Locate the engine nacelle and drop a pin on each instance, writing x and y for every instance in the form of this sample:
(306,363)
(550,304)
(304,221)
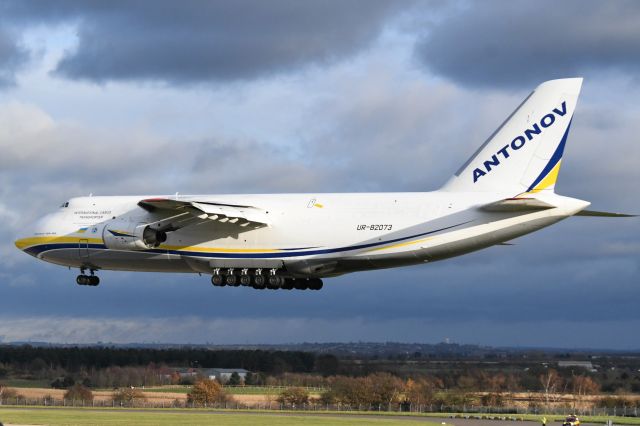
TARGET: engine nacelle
(124,235)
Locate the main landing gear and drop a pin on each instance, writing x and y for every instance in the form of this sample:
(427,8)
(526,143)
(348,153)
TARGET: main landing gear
(90,280)
(257,279)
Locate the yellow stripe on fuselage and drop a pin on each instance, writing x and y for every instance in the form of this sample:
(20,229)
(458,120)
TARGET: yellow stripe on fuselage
(23,243)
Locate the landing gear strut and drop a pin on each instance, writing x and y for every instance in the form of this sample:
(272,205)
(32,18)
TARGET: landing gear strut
(90,280)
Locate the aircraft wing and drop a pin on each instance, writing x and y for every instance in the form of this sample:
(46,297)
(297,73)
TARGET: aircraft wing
(183,213)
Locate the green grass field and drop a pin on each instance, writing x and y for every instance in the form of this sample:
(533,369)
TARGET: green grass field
(88,416)
(62,416)
(26,383)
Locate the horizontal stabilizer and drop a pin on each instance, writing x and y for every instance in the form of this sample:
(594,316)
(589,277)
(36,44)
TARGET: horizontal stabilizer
(517,205)
(603,214)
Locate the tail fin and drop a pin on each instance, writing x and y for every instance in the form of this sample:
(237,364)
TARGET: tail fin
(525,153)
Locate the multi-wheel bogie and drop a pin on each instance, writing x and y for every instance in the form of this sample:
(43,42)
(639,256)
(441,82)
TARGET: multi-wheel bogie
(261,279)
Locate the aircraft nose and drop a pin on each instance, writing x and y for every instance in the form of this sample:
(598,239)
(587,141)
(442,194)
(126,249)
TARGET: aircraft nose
(22,243)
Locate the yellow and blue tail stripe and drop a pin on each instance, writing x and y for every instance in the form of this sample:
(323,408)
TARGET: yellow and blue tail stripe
(549,174)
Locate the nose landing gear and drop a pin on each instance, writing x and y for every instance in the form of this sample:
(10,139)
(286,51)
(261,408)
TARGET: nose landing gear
(90,280)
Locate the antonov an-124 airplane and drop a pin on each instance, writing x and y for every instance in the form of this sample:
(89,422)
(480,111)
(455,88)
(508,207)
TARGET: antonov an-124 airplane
(285,241)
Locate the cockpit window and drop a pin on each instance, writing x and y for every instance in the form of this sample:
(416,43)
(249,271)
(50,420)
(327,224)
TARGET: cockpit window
(64,205)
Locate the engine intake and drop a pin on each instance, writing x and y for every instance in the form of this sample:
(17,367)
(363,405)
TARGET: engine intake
(122,235)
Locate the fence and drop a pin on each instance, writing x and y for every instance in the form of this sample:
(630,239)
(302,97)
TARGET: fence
(246,388)
(469,410)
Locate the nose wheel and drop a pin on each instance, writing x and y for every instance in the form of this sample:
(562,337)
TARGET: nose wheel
(90,280)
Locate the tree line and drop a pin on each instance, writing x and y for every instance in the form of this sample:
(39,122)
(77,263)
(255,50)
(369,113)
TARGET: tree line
(72,359)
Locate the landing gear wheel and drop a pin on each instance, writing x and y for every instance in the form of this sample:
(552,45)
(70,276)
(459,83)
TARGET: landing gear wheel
(274,282)
(245,280)
(91,280)
(259,282)
(315,284)
(301,284)
(232,280)
(217,280)
(288,284)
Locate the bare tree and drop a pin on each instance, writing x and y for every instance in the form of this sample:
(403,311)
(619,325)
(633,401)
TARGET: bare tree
(551,382)
(421,391)
(582,386)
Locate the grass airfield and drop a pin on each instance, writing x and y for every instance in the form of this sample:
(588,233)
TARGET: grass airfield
(18,415)
(79,416)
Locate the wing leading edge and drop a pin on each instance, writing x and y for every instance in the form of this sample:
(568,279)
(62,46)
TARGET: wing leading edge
(196,211)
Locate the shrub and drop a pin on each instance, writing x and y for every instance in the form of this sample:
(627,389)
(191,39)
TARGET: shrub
(79,392)
(493,399)
(8,394)
(294,396)
(616,402)
(328,397)
(207,391)
(128,396)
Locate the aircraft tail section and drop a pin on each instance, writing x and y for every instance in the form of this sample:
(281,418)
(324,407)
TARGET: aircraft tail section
(524,154)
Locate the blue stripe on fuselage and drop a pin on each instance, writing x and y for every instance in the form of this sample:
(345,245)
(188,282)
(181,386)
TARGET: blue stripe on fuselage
(35,250)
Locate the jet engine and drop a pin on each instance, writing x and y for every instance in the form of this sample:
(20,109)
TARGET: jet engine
(124,235)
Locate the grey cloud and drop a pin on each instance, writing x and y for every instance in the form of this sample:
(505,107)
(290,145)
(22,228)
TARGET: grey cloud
(12,58)
(379,129)
(515,43)
(405,136)
(195,41)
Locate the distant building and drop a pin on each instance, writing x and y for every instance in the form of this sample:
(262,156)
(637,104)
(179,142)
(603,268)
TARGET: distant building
(224,374)
(187,372)
(587,365)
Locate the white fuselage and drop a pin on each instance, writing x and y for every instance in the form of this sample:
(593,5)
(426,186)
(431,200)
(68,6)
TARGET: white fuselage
(308,235)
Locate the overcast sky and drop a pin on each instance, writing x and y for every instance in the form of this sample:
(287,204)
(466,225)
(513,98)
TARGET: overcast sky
(139,97)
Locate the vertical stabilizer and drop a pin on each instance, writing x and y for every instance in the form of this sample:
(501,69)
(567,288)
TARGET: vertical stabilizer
(525,153)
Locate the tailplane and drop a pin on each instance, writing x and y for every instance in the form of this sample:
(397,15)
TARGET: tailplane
(524,154)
